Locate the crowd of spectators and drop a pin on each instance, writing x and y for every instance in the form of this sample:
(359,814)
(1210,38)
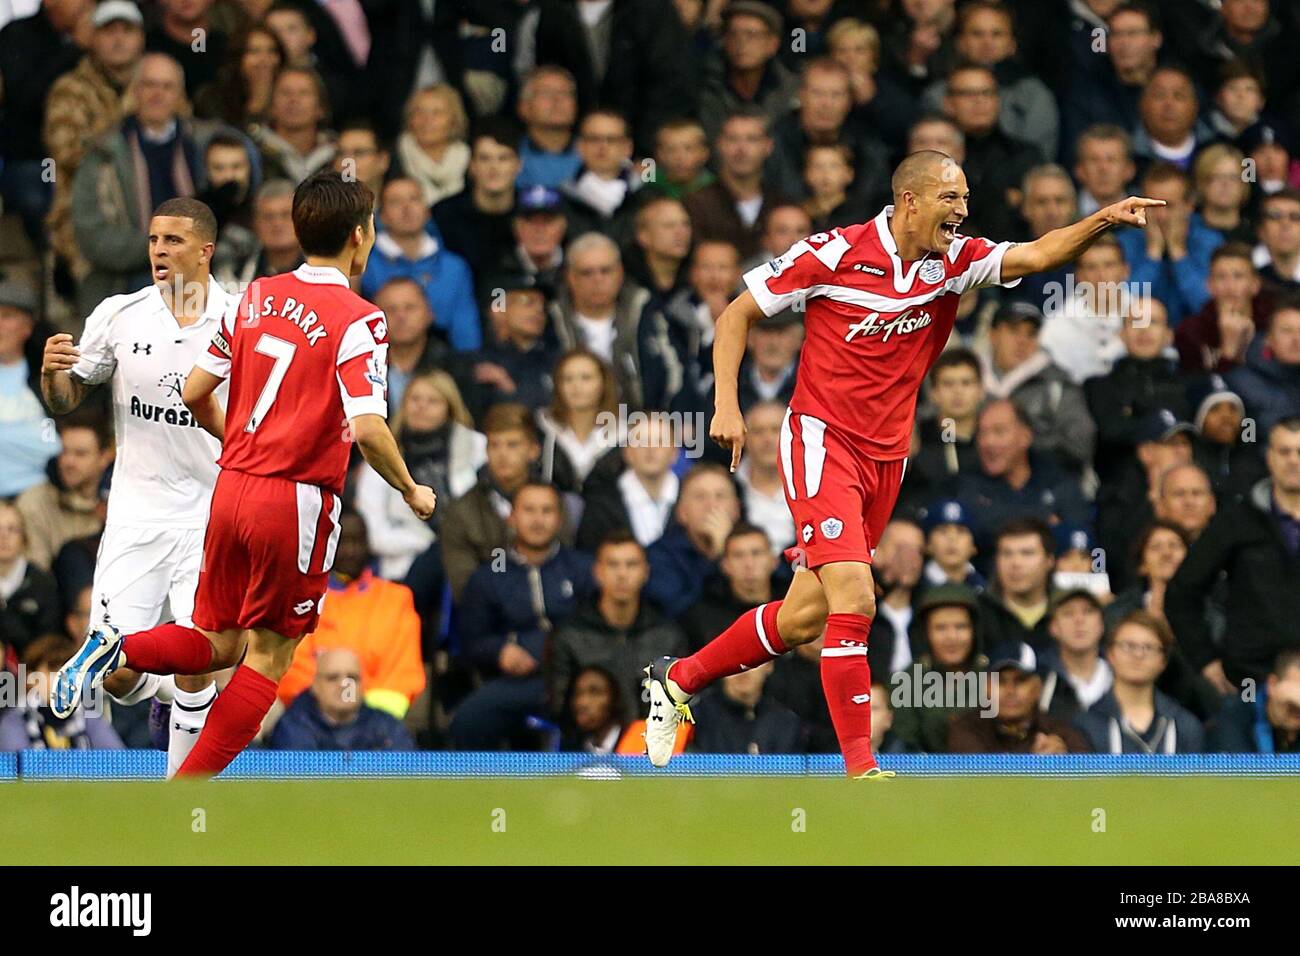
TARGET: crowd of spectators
(1102,504)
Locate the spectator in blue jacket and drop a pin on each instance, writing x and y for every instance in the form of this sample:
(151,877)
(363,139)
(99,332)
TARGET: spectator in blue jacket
(1133,717)
(1269,381)
(1173,253)
(1268,724)
(404,247)
(687,555)
(506,616)
(1013,482)
(333,714)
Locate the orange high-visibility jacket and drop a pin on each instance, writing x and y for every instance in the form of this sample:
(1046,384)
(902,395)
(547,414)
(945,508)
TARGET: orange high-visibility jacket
(376,619)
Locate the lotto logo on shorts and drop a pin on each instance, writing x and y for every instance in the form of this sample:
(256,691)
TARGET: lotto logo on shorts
(831,528)
(303,607)
(807,533)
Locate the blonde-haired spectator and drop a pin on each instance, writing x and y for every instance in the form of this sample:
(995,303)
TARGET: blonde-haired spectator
(431,148)
(1219,178)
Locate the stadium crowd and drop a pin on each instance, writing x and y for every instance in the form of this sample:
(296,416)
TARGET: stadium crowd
(1102,505)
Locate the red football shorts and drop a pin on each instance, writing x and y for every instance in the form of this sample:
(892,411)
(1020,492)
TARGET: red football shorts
(841,500)
(266,555)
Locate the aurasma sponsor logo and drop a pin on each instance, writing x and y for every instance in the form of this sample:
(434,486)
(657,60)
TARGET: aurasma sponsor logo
(77,909)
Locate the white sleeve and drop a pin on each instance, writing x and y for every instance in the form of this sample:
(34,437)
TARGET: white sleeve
(215,359)
(362,367)
(985,267)
(98,361)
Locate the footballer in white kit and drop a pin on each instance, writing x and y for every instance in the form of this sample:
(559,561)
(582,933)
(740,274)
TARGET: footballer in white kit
(152,546)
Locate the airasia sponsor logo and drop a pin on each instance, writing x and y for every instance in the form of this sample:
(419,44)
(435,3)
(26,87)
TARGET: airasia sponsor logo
(903,323)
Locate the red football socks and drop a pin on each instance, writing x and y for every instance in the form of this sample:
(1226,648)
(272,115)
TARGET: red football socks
(233,722)
(846,679)
(168,649)
(751,641)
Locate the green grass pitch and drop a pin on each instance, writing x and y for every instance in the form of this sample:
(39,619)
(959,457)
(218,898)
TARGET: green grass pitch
(676,820)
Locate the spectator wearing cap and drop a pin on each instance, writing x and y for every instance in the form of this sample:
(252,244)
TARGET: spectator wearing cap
(1013,609)
(1172,256)
(475,223)
(29,596)
(759,477)
(1215,339)
(1075,675)
(1277,255)
(516,366)
(334,713)
(404,247)
(680,160)
(1018,725)
(1269,380)
(950,545)
(1255,541)
(625,57)
(947,626)
(1016,367)
(35,51)
(739,716)
(1079,562)
(733,208)
(27,438)
(1081,331)
(82,105)
(1143,380)
(1126,500)
(945,431)
(601,196)
(823,118)
(548,108)
(746,70)
(1134,717)
(507,615)
(537,232)
(112,202)
(1219,448)
(767,372)
(1267,723)
(612,627)
(66,506)
(747,567)
(897,574)
(32,725)
(1014,481)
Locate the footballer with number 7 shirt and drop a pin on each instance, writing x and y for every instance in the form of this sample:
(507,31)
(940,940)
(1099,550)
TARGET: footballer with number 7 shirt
(879,302)
(306,359)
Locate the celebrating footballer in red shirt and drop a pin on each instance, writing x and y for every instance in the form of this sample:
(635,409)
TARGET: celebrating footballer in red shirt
(306,358)
(879,300)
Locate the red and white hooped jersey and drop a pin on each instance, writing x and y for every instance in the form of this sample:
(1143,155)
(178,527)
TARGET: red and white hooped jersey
(873,325)
(304,354)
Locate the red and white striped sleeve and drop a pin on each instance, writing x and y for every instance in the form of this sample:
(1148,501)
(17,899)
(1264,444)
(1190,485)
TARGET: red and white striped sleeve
(363,366)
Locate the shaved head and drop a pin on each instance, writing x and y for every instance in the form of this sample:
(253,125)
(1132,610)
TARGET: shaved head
(919,169)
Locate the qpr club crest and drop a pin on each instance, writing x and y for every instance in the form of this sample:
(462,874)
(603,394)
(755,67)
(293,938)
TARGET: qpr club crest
(831,528)
(932,270)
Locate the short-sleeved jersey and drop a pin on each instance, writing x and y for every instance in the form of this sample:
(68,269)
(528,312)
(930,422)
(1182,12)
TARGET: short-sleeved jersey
(166,463)
(304,354)
(873,324)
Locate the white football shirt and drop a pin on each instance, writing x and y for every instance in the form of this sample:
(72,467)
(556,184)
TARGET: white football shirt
(166,463)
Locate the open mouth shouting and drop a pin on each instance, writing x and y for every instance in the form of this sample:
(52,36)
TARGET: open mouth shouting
(948,229)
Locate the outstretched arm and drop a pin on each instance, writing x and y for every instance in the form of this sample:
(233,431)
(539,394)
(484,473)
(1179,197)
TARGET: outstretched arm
(729,338)
(1063,245)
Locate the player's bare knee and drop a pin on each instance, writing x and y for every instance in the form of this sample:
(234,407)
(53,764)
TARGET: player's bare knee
(801,624)
(849,589)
